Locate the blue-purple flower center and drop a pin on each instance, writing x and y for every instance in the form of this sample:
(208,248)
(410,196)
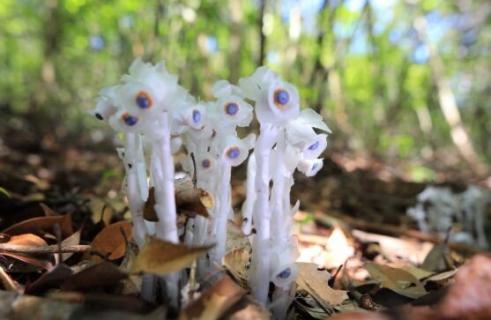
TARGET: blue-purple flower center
(233,153)
(143,100)
(129,119)
(285,273)
(206,163)
(196,116)
(314,146)
(231,108)
(281,97)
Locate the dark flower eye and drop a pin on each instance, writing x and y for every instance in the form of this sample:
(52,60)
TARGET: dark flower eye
(285,273)
(206,163)
(233,153)
(196,116)
(281,97)
(231,108)
(314,146)
(129,119)
(143,100)
(99,116)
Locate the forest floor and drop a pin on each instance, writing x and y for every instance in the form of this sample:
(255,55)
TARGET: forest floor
(352,224)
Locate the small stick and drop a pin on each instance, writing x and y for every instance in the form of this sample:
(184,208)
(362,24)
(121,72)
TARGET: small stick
(14,248)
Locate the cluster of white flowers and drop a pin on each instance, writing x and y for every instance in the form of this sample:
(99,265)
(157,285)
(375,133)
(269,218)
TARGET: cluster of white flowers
(287,141)
(438,210)
(153,110)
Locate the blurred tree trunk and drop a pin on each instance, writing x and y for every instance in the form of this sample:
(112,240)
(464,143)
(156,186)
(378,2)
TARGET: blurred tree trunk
(51,38)
(262,37)
(448,102)
(236,38)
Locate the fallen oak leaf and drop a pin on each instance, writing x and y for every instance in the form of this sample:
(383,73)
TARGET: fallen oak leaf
(72,240)
(38,263)
(438,259)
(48,212)
(237,262)
(359,315)
(110,242)
(52,278)
(397,280)
(99,275)
(470,295)
(247,308)
(27,239)
(41,225)
(215,301)
(162,257)
(315,282)
(8,283)
(189,201)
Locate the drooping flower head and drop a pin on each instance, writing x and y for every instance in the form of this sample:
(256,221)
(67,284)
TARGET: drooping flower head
(276,101)
(106,103)
(233,150)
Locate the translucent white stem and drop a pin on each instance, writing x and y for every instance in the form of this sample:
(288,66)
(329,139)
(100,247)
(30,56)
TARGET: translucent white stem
(224,208)
(260,269)
(165,205)
(135,201)
(248,207)
(162,166)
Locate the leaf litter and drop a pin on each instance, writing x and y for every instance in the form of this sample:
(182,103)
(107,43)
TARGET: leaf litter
(90,264)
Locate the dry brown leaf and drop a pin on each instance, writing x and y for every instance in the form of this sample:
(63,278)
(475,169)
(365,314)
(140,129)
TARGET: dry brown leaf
(32,262)
(438,259)
(442,277)
(214,302)
(314,281)
(100,275)
(41,225)
(251,311)
(8,283)
(396,249)
(27,239)
(359,315)
(72,240)
(237,262)
(110,242)
(397,280)
(48,211)
(419,273)
(189,201)
(50,279)
(148,209)
(470,295)
(162,257)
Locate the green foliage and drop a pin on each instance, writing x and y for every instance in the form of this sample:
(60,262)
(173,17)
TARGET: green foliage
(361,65)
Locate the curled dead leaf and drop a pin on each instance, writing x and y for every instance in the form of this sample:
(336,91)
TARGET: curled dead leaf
(315,282)
(100,275)
(42,225)
(27,239)
(110,242)
(237,262)
(162,257)
(50,279)
(189,200)
(397,280)
(470,295)
(214,302)
(8,283)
